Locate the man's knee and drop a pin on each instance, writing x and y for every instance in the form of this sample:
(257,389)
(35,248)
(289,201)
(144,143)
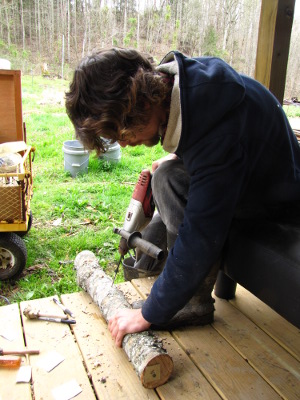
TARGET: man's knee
(170,174)
(170,185)
(160,176)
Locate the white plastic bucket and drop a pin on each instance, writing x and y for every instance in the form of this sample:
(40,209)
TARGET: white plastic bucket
(112,154)
(5,64)
(76,158)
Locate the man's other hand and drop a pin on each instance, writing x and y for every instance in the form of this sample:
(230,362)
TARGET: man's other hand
(158,162)
(127,321)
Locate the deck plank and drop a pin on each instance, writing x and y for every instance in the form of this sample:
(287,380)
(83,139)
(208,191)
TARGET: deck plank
(228,372)
(113,376)
(279,368)
(186,382)
(11,325)
(50,336)
(248,352)
(283,332)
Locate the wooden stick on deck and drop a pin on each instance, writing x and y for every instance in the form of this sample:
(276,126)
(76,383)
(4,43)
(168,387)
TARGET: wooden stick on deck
(150,360)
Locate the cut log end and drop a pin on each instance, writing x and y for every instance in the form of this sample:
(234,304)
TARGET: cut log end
(157,371)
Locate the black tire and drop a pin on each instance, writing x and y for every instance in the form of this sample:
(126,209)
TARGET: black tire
(13,255)
(23,233)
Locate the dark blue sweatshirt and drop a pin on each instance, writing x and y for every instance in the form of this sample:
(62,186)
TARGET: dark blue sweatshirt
(241,153)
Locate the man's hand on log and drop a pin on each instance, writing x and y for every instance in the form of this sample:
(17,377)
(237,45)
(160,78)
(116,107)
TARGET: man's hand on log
(127,321)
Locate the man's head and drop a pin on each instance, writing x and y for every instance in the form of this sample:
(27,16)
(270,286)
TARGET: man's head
(114,94)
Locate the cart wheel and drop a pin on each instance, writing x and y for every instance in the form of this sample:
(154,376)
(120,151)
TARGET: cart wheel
(23,233)
(13,255)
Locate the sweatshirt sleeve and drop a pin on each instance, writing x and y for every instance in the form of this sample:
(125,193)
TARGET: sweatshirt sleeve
(213,195)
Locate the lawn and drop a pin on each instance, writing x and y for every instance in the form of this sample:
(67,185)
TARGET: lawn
(69,214)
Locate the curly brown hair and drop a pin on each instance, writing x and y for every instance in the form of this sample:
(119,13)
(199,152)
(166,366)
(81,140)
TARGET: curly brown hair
(113,91)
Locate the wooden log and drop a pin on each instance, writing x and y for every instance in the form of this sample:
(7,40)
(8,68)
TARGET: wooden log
(145,351)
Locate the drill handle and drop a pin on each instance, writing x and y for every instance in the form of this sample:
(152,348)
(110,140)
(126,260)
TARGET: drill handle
(135,240)
(143,193)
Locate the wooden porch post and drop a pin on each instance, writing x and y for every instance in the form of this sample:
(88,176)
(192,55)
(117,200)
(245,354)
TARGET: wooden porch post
(276,20)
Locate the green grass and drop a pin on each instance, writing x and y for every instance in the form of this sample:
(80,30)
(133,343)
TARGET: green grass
(69,214)
(292,111)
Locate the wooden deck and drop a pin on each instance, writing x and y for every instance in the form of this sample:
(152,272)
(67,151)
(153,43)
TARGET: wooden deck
(249,352)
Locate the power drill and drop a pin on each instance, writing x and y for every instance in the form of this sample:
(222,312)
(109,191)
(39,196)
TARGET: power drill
(139,213)
(140,209)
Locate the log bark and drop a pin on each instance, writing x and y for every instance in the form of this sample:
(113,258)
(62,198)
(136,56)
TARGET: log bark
(145,351)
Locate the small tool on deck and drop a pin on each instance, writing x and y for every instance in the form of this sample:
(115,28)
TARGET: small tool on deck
(10,362)
(18,352)
(63,320)
(66,310)
(30,314)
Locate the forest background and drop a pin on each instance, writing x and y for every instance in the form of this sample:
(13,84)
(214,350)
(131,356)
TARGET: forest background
(53,35)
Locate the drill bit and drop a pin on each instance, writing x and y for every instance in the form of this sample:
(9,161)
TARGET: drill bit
(117,269)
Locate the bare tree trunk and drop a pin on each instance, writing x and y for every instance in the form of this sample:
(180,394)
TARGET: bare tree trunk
(75,26)
(22,24)
(62,56)
(1,23)
(68,34)
(125,22)
(89,30)
(7,23)
(150,360)
(49,23)
(85,30)
(138,27)
(39,24)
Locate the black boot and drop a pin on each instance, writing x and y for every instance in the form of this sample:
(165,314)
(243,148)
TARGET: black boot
(198,311)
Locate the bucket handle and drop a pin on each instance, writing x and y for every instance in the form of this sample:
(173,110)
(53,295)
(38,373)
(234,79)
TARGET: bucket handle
(78,165)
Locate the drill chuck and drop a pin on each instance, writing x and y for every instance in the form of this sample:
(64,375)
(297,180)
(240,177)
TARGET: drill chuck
(135,239)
